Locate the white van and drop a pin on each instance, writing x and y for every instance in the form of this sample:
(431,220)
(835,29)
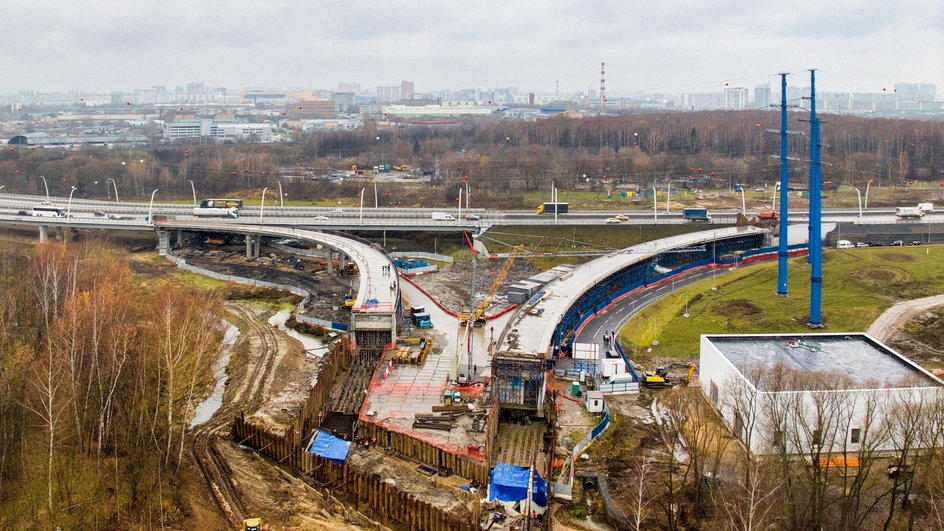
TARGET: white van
(844,244)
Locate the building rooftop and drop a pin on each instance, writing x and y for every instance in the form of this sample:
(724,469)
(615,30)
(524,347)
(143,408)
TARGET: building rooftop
(865,361)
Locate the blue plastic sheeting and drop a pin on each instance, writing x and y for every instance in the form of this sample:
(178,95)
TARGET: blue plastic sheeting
(330,447)
(510,484)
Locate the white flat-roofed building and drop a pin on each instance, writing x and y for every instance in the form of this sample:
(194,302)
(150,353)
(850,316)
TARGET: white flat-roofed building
(446,110)
(221,129)
(838,393)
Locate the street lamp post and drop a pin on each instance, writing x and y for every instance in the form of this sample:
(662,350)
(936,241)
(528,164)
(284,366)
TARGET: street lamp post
(193,189)
(262,205)
(2,186)
(69,206)
(655,206)
(281,195)
(150,218)
(743,201)
(46,186)
(668,198)
(116,189)
(859,195)
(867,194)
(376,201)
(361,215)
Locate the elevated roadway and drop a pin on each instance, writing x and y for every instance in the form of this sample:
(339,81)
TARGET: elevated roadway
(374,314)
(415,219)
(541,327)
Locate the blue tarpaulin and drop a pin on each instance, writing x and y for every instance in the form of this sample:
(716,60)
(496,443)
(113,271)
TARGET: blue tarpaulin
(510,484)
(330,447)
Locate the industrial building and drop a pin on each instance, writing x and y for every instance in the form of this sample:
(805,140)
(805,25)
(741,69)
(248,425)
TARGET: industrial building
(225,129)
(819,393)
(447,110)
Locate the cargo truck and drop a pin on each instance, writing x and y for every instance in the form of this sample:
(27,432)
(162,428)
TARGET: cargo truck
(550,208)
(442,216)
(909,212)
(696,214)
(926,207)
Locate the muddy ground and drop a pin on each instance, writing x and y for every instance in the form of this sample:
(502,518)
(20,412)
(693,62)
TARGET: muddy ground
(922,340)
(327,290)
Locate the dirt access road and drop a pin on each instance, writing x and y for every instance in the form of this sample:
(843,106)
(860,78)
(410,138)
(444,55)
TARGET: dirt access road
(241,484)
(895,317)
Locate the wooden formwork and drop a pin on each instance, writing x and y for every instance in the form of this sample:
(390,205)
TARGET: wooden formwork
(472,466)
(368,490)
(371,493)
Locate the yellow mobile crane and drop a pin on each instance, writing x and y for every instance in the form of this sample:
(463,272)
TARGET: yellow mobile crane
(477,316)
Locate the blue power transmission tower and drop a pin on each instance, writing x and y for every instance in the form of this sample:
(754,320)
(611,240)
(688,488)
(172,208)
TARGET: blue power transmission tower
(816,221)
(782,251)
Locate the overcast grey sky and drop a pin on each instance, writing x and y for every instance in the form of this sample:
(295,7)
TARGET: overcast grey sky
(656,45)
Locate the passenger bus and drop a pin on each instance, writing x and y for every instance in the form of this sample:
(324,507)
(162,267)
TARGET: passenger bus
(49,211)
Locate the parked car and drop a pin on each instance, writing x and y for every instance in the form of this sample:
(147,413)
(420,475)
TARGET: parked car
(861,244)
(897,242)
(916,242)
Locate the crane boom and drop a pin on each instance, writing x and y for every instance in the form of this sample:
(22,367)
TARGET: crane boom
(482,306)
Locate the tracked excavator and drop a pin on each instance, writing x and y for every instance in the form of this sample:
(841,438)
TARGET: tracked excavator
(661,377)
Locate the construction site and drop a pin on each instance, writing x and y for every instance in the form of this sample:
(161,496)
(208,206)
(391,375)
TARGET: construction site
(450,420)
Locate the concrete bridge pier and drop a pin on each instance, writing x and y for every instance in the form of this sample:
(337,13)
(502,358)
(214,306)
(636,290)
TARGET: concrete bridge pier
(253,243)
(43,233)
(163,242)
(330,262)
(179,241)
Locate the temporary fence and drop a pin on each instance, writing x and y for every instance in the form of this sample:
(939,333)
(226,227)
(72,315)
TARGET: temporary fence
(565,490)
(420,254)
(383,497)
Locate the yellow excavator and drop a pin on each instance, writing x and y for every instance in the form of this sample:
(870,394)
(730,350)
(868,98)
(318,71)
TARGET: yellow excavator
(252,524)
(349,297)
(660,378)
(478,316)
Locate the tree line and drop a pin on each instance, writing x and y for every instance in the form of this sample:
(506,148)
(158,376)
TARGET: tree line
(502,157)
(98,382)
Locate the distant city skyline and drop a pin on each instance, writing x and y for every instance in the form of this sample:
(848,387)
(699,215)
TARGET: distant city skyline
(669,47)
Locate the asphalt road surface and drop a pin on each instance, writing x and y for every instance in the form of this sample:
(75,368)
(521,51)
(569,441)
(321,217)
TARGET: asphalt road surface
(619,312)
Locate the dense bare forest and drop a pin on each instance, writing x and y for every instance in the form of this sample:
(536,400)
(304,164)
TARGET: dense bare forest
(98,376)
(502,157)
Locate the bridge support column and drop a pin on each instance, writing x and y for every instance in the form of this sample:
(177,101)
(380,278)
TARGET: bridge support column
(330,262)
(163,242)
(179,241)
(60,234)
(43,233)
(249,247)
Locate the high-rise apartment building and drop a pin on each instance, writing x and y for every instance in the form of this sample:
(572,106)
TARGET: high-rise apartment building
(388,93)
(406,90)
(349,86)
(735,98)
(762,96)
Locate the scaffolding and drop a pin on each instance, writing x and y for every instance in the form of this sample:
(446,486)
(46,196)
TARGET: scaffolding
(519,381)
